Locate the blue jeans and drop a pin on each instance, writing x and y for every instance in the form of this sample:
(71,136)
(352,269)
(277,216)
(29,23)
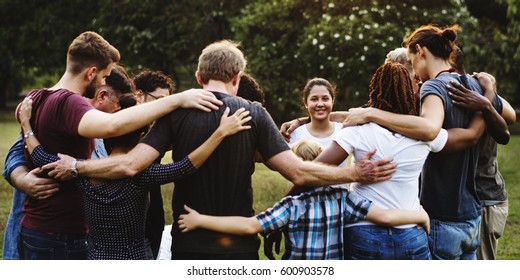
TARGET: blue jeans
(454,240)
(36,245)
(371,242)
(13,227)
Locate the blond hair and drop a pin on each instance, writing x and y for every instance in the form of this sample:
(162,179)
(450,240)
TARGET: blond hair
(307,150)
(220,61)
(399,55)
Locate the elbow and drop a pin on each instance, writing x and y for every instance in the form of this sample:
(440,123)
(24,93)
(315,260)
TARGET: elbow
(130,172)
(130,168)
(297,178)
(504,140)
(250,230)
(510,121)
(296,174)
(299,182)
(431,134)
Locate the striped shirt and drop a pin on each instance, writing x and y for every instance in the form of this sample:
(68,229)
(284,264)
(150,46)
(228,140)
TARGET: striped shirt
(314,222)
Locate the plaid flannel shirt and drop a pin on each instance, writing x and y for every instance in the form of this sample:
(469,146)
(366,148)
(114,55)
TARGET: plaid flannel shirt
(314,221)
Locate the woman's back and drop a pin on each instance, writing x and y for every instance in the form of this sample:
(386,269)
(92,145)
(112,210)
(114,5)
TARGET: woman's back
(402,190)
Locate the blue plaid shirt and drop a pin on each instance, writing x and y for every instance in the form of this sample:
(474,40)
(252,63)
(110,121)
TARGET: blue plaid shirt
(314,222)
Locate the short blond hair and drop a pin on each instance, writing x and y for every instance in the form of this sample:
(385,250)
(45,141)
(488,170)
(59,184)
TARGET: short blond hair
(221,61)
(307,150)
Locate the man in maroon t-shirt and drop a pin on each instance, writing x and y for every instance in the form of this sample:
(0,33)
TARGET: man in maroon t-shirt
(65,123)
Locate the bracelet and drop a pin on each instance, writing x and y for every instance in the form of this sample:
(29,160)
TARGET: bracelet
(28,133)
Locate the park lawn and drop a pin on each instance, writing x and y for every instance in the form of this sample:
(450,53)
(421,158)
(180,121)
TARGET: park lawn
(269,187)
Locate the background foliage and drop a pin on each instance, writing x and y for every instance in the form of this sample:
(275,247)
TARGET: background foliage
(286,42)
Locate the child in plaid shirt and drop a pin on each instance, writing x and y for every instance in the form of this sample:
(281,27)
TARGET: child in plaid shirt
(313,220)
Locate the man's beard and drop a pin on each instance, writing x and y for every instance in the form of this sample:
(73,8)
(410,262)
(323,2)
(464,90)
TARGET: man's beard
(90,90)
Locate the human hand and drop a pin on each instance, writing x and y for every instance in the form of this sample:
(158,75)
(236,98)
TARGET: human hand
(426,222)
(288,127)
(25,114)
(190,221)
(356,116)
(234,123)
(273,238)
(466,98)
(60,170)
(198,99)
(35,186)
(373,171)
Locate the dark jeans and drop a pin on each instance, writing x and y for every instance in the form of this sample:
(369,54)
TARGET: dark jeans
(203,256)
(36,245)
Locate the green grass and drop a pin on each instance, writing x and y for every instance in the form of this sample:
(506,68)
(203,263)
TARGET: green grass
(269,187)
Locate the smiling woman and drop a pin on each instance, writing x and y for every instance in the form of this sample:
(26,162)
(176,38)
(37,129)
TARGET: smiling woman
(318,98)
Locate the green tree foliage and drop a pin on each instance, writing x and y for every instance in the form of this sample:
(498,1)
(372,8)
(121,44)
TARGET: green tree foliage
(495,45)
(35,35)
(288,42)
(166,35)
(160,35)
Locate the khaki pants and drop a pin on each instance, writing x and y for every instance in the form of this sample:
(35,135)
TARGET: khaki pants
(491,229)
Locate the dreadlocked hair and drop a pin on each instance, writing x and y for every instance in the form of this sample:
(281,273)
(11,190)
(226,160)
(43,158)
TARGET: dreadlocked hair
(391,90)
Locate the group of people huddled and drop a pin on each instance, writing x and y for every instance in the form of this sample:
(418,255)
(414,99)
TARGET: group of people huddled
(423,182)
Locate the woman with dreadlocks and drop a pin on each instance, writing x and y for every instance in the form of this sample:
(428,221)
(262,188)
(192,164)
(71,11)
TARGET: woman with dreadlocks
(390,90)
(448,179)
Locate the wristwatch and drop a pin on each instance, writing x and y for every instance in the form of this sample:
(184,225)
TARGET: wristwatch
(73,170)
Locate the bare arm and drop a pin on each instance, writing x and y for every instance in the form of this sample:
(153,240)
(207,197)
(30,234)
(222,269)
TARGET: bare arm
(288,127)
(32,183)
(508,113)
(230,224)
(396,217)
(97,124)
(31,141)
(425,128)
(462,138)
(333,154)
(301,172)
(113,167)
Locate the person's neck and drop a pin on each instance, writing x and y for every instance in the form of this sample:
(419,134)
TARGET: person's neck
(437,66)
(219,86)
(70,83)
(321,128)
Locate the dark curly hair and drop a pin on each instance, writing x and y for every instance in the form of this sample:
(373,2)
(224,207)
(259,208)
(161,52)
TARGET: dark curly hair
(148,81)
(250,90)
